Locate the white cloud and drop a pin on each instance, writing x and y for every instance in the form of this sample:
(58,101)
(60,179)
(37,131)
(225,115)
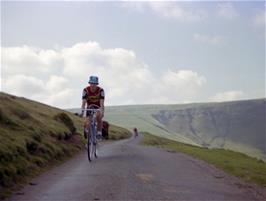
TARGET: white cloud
(227,96)
(56,83)
(52,92)
(125,79)
(1,80)
(259,19)
(23,85)
(29,60)
(168,10)
(212,40)
(62,98)
(258,23)
(227,11)
(181,85)
(136,5)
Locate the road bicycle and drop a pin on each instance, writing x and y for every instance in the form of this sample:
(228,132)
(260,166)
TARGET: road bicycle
(91,136)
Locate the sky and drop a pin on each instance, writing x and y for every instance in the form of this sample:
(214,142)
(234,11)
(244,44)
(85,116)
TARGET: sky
(143,52)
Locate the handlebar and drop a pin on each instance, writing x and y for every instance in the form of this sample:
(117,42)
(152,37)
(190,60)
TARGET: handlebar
(92,109)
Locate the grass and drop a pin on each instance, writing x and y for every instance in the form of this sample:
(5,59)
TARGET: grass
(31,142)
(35,137)
(118,133)
(234,163)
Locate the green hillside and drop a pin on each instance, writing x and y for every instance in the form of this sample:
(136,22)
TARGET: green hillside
(141,117)
(32,136)
(238,125)
(35,136)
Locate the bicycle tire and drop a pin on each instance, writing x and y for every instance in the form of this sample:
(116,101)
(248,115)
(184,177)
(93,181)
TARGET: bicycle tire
(91,149)
(94,147)
(95,150)
(92,142)
(88,148)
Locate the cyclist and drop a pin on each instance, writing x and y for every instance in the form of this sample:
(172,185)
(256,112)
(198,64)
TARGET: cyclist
(135,131)
(93,95)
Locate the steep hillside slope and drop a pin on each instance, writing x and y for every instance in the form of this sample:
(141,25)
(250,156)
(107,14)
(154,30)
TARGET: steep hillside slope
(32,135)
(236,125)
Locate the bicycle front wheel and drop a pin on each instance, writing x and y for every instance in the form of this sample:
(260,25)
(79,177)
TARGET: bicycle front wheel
(94,146)
(92,142)
(89,148)
(92,149)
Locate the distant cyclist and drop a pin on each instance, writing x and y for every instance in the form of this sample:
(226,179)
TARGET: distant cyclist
(135,131)
(93,95)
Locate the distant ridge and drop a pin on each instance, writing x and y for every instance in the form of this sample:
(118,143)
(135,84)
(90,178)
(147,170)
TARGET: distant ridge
(235,125)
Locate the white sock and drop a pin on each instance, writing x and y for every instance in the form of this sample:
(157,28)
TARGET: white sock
(99,132)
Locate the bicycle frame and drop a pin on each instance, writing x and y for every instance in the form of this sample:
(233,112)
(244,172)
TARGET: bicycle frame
(92,141)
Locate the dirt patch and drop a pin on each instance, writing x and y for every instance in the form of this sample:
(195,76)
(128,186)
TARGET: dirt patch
(146,178)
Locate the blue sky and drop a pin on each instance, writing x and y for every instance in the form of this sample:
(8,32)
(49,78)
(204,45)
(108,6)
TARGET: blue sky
(143,52)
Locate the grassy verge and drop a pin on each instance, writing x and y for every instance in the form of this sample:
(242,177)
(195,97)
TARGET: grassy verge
(118,133)
(237,164)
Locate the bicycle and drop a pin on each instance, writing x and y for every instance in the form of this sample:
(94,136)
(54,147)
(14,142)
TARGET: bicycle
(92,139)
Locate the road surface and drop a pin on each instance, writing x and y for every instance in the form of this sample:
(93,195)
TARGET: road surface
(128,171)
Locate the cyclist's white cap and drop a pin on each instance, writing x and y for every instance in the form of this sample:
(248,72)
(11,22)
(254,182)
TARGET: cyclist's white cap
(93,80)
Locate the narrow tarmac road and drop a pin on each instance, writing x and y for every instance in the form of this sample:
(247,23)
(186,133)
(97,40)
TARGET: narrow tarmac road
(128,171)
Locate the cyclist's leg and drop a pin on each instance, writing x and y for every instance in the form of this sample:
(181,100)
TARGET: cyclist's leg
(87,127)
(99,117)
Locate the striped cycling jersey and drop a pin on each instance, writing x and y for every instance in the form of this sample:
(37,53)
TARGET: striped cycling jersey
(93,97)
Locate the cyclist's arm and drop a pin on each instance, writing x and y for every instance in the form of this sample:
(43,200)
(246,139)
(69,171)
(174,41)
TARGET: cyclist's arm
(83,106)
(102,96)
(102,106)
(84,101)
